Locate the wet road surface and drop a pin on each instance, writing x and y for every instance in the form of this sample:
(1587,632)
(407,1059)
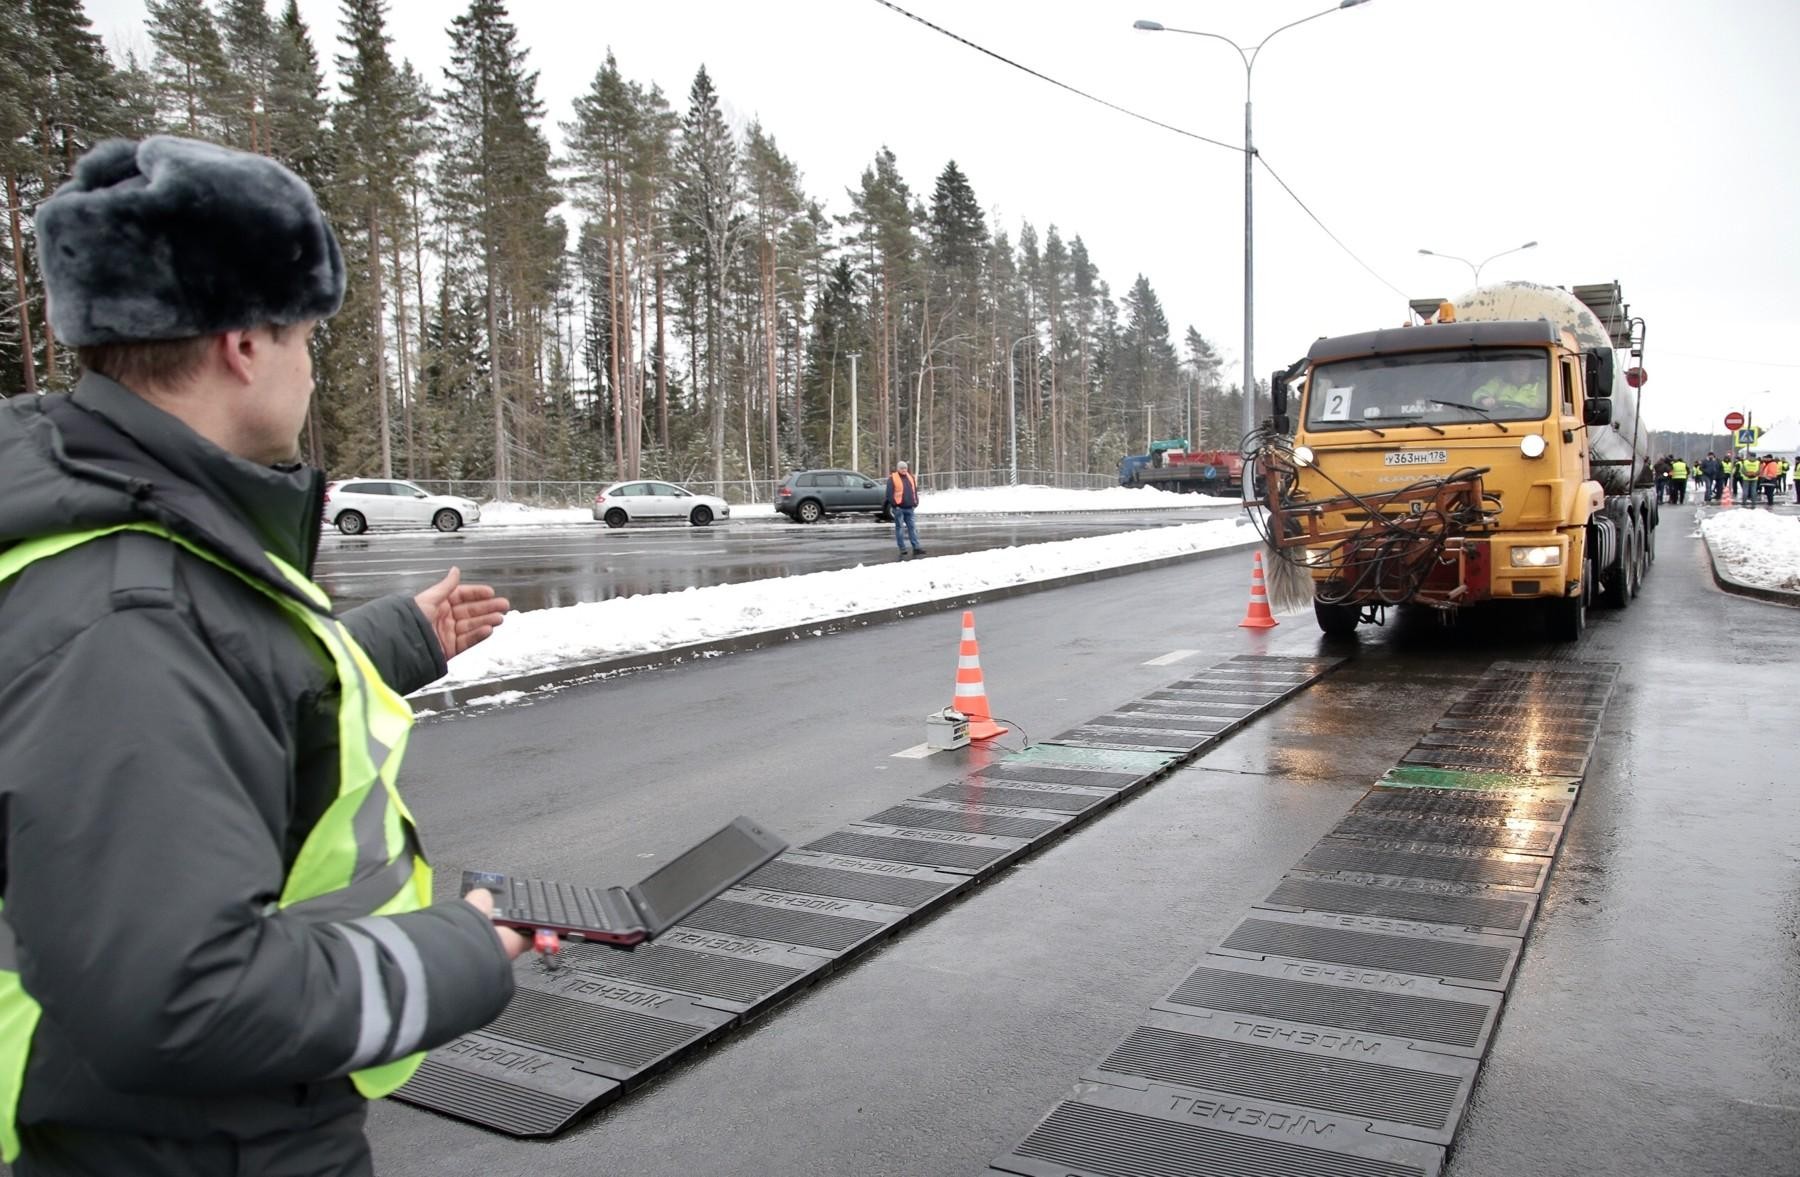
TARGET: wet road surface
(1651,1028)
(550,566)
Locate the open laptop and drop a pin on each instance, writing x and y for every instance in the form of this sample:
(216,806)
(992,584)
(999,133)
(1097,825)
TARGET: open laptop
(628,916)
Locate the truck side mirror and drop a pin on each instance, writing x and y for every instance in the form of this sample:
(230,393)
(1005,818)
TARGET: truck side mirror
(1278,394)
(1599,372)
(1597,411)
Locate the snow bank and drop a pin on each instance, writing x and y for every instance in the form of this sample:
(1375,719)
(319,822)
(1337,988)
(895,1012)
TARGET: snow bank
(544,639)
(1756,547)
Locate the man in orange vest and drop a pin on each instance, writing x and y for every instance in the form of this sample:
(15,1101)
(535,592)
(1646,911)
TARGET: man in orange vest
(902,498)
(1769,475)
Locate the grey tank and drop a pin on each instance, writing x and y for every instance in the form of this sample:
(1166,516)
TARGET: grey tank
(1627,439)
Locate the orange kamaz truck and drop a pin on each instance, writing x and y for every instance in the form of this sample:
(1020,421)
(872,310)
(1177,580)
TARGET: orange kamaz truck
(1493,455)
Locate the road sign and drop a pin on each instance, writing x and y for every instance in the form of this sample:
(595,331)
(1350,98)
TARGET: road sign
(1734,420)
(1750,436)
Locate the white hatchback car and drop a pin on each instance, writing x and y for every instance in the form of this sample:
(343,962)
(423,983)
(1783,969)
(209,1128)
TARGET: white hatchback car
(643,501)
(355,505)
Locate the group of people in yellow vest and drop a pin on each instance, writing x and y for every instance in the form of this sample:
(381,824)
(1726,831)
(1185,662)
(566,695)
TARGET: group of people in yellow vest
(1748,475)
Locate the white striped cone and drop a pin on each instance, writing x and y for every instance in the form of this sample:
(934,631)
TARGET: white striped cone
(971,691)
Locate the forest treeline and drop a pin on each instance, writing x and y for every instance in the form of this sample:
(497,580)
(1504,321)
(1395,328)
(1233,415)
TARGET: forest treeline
(663,298)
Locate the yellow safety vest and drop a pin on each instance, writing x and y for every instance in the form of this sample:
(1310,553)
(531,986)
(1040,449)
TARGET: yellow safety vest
(1747,469)
(1678,470)
(363,857)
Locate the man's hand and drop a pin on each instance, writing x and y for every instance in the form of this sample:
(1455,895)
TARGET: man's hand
(461,614)
(510,940)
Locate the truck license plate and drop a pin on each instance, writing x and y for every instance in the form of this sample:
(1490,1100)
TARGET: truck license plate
(1416,458)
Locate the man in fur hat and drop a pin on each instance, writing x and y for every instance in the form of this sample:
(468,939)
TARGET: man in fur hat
(217,939)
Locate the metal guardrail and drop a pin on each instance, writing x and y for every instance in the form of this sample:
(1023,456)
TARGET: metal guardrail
(555,493)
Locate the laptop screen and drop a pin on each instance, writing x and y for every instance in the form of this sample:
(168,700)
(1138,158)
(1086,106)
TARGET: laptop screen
(675,890)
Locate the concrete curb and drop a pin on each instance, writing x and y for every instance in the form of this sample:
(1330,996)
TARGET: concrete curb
(444,698)
(1755,592)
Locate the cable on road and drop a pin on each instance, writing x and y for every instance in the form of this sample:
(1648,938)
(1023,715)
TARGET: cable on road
(1016,726)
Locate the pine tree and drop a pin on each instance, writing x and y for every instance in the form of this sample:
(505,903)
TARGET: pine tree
(884,217)
(57,98)
(296,101)
(778,209)
(496,188)
(1147,359)
(136,116)
(1212,428)
(191,70)
(836,332)
(21,94)
(709,224)
(600,146)
(1083,277)
(416,140)
(250,44)
(958,229)
(367,125)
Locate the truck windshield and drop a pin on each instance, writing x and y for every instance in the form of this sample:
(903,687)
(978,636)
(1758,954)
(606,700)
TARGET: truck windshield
(1438,388)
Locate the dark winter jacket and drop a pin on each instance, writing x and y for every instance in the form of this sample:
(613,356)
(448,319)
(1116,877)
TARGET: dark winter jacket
(167,740)
(1712,468)
(902,491)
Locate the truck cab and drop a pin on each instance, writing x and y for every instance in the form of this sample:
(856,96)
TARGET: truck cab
(1448,465)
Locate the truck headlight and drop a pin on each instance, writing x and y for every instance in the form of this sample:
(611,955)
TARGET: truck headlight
(1545,556)
(1303,455)
(1532,445)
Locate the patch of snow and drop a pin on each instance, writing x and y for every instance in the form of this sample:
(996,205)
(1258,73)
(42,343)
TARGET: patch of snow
(497,699)
(1756,547)
(543,639)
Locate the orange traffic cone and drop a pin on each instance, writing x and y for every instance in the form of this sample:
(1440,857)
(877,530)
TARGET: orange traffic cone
(1259,616)
(971,692)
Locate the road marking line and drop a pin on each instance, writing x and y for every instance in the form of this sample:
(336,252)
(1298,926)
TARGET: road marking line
(916,752)
(1171,657)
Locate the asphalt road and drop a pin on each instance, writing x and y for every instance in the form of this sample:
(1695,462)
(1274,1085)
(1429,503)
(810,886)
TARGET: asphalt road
(1651,1028)
(544,567)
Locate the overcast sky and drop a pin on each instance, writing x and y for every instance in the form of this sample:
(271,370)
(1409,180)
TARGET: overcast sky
(1649,141)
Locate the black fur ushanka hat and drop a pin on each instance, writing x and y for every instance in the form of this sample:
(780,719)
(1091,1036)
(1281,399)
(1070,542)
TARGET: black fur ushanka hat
(172,238)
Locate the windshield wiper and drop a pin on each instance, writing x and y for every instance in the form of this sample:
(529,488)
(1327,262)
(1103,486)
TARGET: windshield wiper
(1473,409)
(1409,421)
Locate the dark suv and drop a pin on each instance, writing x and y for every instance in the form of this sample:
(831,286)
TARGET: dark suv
(809,494)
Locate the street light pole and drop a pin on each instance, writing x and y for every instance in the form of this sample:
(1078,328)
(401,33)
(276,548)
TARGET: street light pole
(1248,57)
(854,460)
(1012,405)
(1475,267)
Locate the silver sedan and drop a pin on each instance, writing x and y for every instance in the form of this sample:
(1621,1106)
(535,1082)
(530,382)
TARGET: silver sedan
(644,501)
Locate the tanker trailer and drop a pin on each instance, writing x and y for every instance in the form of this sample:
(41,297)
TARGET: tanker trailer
(1493,455)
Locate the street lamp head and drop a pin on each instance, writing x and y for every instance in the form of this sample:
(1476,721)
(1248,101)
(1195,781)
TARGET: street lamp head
(1351,3)
(1149,26)
(1529,245)
(1427,253)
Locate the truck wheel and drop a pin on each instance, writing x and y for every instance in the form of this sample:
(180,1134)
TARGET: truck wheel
(1568,615)
(1621,586)
(1337,621)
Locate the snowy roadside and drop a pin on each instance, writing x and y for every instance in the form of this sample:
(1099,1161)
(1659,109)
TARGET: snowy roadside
(548,639)
(993,500)
(1755,547)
